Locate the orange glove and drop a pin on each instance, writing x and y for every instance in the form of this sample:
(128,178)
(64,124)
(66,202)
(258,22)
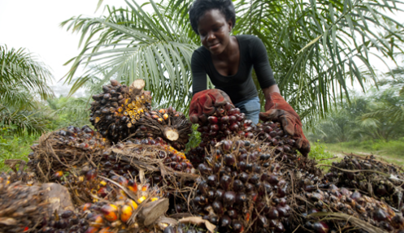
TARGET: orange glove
(277,109)
(204,102)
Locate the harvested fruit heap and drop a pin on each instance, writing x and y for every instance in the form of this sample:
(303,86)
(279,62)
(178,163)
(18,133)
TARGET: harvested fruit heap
(63,149)
(241,188)
(132,171)
(115,112)
(375,178)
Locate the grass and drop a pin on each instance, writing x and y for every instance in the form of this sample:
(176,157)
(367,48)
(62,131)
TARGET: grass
(319,151)
(14,147)
(391,151)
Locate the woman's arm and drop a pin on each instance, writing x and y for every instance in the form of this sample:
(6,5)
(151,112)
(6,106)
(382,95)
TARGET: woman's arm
(199,81)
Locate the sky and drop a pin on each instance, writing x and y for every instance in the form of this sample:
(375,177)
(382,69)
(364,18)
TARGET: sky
(35,25)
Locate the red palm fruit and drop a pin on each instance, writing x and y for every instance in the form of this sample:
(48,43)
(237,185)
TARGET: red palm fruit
(226,145)
(225,181)
(241,198)
(238,185)
(254,178)
(263,221)
(243,177)
(234,111)
(203,168)
(267,129)
(223,127)
(232,213)
(211,195)
(96,220)
(91,174)
(229,198)
(102,192)
(320,227)
(106,230)
(237,226)
(212,133)
(92,229)
(110,212)
(227,132)
(225,119)
(273,213)
(122,181)
(291,142)
(212,180)
(217,207)
(284,211)
(379,215)
(247,123)
(274,142)
(240,117)
(219,194)
(200,129)
(229,160)
(225,221)
(234,127)
(232,119)
(279,227)
(57,175)
(132,185)
(212,119)
(228,106)
(126,213)
(273,133)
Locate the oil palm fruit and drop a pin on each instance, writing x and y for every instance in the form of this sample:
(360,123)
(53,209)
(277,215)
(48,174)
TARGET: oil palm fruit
(389,188)
(115,112)
(62,148)
(168,124)
(235,186)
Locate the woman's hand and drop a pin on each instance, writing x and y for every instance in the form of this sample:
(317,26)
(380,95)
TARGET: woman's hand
(277,109)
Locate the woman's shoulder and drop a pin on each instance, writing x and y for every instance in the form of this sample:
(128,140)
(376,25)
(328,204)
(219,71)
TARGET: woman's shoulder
(247,38)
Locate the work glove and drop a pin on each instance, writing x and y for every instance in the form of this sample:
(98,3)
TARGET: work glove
(277,109)
(204,104)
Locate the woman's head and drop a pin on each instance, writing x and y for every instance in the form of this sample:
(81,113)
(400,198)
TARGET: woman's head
(200,7)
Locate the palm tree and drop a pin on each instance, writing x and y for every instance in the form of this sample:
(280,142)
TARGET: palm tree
(23,82)
(316,48)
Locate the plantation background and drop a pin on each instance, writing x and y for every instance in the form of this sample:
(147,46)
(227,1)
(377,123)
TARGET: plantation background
(329,59)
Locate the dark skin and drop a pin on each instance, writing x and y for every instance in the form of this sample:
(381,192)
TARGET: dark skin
(214,31)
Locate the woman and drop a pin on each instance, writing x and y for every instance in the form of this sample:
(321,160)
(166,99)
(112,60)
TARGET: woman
(228,60)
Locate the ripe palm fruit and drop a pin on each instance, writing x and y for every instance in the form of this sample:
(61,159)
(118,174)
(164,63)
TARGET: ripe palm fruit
(168,124)
(126,213)
(115,112)
(69,146)
(364,176)
(110,212)
(356,207)
(235,184)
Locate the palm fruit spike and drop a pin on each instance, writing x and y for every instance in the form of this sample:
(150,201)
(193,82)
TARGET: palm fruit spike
(318,211)
(68,221)
(115,215)
(168,124)
(115,112)
(390,188)
(62,148)
(22,206)
(236,182)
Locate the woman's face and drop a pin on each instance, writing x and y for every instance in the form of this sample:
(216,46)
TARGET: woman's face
(214,31)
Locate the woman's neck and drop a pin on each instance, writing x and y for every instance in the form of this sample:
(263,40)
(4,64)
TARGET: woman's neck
(230,50)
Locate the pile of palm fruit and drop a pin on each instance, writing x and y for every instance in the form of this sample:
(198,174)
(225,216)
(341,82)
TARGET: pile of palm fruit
(130,173)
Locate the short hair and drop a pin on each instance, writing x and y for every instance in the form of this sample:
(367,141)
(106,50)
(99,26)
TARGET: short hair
(199,7)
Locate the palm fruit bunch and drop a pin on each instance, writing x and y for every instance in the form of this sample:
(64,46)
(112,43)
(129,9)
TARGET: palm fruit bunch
(59,150)
(22,206)
(375,178)
(17,173)
(185,228)
(168,124)
(336,209)
(65,221)
(226,120)
(241,188)
(118,215)
(115,111)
